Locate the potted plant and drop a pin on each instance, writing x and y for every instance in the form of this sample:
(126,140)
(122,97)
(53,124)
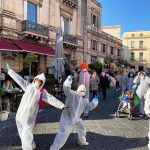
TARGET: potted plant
(3,114)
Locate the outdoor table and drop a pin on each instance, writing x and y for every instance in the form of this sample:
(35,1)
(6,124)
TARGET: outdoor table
(14,95)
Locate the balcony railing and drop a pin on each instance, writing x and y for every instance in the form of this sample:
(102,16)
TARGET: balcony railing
(71,3)
(70,38)
(34,27)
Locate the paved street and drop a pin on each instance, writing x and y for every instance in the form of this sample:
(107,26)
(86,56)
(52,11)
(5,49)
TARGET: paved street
(104,132)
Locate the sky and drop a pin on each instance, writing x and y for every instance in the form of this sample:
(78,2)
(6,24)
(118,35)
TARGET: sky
(130,14)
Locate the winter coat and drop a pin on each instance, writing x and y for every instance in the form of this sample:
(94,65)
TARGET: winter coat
(94,81)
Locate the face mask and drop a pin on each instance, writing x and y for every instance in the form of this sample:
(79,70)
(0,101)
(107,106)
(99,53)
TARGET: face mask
(36,85)
(142,77)
(81,93)
(81,90)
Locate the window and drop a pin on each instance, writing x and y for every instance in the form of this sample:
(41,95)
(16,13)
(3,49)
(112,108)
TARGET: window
(32,12)
(65,24)
(94,21)
(94,45)
(141,34)
(132,34)
(112,50)
(93,59)
(132,56)
(140,56)
(132,44)
(141,44)
(103,48)
(118,52)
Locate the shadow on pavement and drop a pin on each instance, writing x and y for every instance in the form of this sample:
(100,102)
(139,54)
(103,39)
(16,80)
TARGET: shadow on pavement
(97,142)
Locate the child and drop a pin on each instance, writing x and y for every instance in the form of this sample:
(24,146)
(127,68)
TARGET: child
(127,100)
(29,106)
(70,117)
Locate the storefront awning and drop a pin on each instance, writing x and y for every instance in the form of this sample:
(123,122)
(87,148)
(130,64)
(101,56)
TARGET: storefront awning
(34,48)
(6,45)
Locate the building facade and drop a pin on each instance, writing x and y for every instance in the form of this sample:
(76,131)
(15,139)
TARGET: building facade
(25,23)
(113,30)
(97,43)
(137,49)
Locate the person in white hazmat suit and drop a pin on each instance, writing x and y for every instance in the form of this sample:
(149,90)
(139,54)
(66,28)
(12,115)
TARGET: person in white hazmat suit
(29,106)
(142,82)
(71,117)
(147,111)
(84,78)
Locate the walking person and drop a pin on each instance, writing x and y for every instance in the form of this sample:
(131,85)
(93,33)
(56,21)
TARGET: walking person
(104,84)
(29,106)
(94,81)
(124,81)
(131,77)
(142,82)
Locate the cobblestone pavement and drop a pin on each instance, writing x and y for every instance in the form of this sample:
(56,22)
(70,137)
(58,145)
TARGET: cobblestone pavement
(104,131)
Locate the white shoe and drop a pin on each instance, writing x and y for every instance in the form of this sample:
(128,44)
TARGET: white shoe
(33,145)
(82,143)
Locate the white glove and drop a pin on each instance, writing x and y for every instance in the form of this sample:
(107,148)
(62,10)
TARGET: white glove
(94,103)
(8,67)
(68,81)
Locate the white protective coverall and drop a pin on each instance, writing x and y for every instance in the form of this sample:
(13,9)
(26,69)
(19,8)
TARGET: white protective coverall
(71,117)
(147,111)
(28,108)
(142,87)
(84,78)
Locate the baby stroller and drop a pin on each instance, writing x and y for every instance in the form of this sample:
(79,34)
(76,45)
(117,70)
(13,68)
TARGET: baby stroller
(128,102)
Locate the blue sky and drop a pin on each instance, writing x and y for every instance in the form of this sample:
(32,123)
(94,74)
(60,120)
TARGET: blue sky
(130,14)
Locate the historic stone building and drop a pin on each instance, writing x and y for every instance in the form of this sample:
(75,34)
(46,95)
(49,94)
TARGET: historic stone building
(30,26)
(97,43)
(137,49)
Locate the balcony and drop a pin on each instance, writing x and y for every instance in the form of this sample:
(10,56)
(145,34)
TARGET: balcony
(138,48)
(71,3)
(70,40)
(29,26)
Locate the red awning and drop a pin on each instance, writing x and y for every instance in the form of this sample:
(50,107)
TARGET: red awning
(6,45)
(34,48)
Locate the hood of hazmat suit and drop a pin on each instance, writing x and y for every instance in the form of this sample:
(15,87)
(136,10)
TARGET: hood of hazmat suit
(29,105)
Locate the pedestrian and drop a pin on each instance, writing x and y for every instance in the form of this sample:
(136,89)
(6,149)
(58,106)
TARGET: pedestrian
(117,77)
(124,81)
(70,117)
(147,111)
(142,82)
(29,106)
(94,81)
(104,84)
(131,77)
(84,78)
